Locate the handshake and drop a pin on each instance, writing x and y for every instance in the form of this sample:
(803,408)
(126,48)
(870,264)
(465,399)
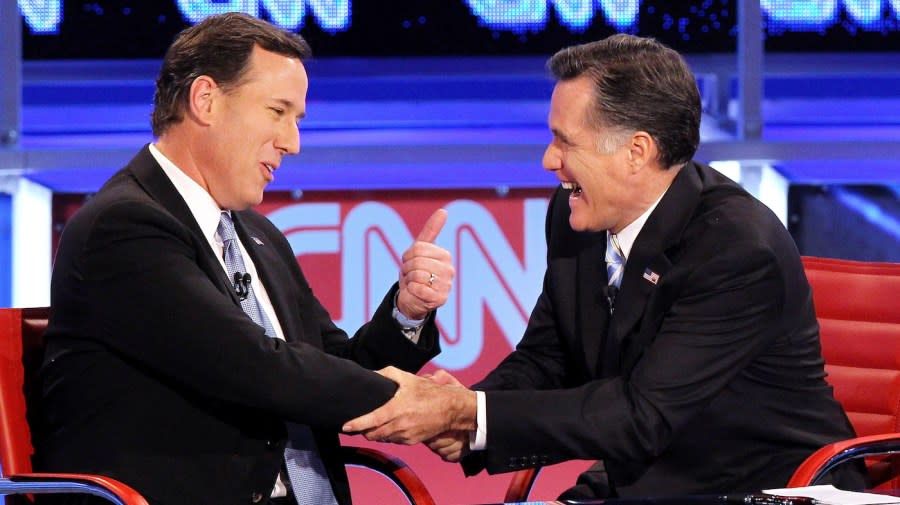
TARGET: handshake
(435,409)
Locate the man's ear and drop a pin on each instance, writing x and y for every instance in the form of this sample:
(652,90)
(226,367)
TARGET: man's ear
(642,150)
(201,98)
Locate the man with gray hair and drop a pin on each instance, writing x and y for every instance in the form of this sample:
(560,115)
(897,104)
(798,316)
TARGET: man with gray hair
(675,339)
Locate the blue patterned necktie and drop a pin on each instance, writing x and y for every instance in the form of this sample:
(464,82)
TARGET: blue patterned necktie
(615,261)
(304,465)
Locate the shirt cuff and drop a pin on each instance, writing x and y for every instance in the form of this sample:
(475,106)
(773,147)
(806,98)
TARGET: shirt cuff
(411,328)
(478,438)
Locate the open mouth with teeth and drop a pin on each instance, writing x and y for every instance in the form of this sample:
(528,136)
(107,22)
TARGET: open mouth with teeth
(574,188)
(268,171)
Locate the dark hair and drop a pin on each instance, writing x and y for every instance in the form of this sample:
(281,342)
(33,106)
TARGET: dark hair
(639,84)
(220,47)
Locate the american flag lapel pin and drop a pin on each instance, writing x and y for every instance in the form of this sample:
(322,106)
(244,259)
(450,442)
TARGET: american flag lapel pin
(258,241)
(651,276)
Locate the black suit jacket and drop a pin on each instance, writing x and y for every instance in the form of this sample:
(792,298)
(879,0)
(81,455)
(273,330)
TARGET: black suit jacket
(708,379)
(154,375)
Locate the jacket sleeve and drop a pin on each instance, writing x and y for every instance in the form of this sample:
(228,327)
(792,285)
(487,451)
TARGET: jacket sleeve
(720,322)
(144,298)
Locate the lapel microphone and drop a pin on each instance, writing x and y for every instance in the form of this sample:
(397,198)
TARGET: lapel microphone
(611,292)
(242,285)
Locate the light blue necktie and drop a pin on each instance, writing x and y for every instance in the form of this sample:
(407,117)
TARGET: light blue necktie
(615,261)
(304,465)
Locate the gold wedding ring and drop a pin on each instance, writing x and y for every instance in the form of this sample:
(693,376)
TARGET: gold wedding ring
(431,278)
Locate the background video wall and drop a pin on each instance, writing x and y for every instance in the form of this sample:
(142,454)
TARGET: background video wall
(129,29)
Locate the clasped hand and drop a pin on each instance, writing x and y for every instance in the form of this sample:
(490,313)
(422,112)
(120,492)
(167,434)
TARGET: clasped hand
(435,409)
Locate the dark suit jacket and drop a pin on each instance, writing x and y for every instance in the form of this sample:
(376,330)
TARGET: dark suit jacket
(710,379)
(155,376)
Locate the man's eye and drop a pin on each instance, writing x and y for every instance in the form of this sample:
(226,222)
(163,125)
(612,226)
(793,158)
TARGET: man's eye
(277,111)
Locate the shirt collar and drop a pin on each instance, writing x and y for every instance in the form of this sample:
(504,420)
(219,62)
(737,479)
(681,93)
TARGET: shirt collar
(201,204)
(629,234)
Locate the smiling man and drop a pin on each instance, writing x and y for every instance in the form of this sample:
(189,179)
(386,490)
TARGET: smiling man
(675,339)
(186,354)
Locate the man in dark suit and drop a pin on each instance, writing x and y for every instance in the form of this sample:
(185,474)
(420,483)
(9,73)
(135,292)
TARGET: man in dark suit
(156,372)
(675,339)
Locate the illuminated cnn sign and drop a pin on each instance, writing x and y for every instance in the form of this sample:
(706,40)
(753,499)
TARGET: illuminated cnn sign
(45,16)
(330,15)
(796,15)
(499,254)
(531,15)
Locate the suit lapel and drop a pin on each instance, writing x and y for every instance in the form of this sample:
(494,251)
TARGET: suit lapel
(648,259)
(151,177)
(269,267)
(593,310)
(631,305)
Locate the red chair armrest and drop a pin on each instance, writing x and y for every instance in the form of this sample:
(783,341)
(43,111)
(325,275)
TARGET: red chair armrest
(391,467)
(520,485)
(826,458)
(97,485)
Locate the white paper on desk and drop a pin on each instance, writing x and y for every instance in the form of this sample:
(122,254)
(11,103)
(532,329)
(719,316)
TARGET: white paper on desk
(834,496)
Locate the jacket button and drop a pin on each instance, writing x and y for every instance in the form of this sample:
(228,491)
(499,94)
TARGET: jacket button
(256,497)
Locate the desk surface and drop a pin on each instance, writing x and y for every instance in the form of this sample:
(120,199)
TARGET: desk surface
(678,500)
(731,499)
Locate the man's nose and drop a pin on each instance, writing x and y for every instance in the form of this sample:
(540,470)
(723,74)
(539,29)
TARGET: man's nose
(551,159)
(288,139)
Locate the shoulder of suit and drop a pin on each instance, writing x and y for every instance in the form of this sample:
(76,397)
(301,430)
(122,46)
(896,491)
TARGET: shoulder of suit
(256,223)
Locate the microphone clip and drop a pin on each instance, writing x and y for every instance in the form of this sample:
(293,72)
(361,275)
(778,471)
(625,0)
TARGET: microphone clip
(242,285)
(611,292)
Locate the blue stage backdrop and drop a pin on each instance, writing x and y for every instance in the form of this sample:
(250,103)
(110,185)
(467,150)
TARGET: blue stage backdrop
(860,222)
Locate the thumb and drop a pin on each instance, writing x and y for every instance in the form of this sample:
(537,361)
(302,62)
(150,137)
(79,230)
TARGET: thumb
(393,373)
(433,226)
(444,377)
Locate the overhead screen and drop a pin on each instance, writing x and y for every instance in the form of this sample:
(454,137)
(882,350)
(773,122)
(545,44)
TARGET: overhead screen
(72,29)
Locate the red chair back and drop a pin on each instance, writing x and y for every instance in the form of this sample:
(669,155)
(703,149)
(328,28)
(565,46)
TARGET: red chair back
(21,343)
(858,308)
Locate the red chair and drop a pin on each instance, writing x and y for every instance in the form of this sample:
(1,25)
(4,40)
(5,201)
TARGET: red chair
(392,468)
(21,353)
(521,483)
(21,350)
(858,308)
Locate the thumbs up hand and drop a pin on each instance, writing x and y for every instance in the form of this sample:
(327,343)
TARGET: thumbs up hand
(427,272)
